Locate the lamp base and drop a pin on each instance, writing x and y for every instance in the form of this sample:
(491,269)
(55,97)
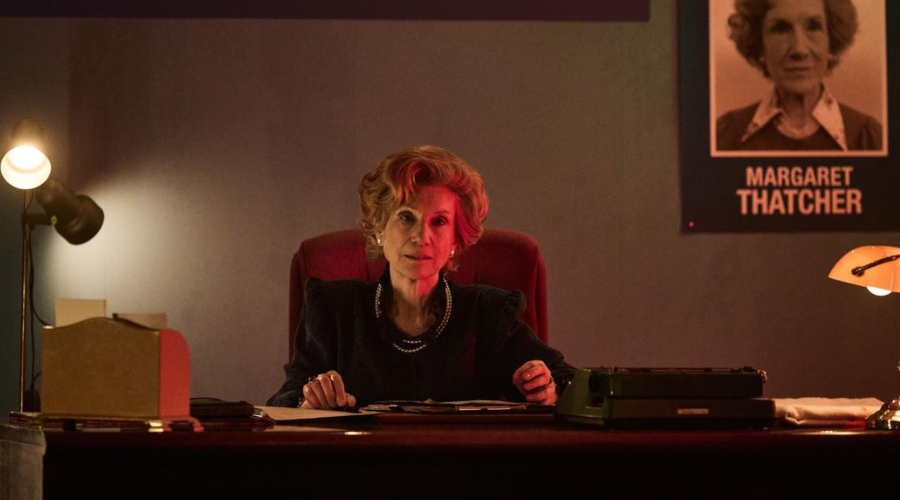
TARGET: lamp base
(887,418)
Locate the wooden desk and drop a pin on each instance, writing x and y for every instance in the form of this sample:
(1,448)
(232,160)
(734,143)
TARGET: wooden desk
(431,460)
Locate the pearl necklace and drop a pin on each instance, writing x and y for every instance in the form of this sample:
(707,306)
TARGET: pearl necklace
(410,345)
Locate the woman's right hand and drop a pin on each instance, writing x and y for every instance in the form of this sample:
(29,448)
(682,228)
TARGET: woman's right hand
(326,391)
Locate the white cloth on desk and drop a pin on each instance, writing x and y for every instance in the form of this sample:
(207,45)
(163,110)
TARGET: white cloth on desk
(825,411)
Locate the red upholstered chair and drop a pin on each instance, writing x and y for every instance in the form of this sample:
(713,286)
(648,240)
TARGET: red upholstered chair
(502,258)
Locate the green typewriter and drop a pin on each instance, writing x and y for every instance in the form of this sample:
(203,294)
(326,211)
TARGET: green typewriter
(662,398)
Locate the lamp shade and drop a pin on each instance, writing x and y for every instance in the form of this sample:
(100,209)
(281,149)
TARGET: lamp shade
(78,218)
(25,165)
(855,268)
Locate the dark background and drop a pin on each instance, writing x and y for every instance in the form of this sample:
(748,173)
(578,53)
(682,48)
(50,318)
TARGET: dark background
(216,145)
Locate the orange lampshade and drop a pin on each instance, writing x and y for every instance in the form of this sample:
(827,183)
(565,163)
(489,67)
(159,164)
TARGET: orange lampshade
(877,268)
(883,277)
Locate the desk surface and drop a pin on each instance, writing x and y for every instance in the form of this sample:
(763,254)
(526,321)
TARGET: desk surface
(531,457)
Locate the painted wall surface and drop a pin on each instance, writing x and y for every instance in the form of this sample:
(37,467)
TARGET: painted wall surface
(216,146)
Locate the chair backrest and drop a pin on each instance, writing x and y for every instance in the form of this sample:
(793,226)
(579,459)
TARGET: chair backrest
(502,258)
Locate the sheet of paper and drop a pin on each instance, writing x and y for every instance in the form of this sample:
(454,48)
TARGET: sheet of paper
(282,415)
(471,402)
(71,311)
(471,406)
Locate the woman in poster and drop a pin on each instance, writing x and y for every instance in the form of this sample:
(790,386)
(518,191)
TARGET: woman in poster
(796,44)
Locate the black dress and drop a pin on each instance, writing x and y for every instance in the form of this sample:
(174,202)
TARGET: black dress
(482,345)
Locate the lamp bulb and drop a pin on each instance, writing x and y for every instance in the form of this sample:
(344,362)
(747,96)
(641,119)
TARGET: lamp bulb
(25,167)
(881,292)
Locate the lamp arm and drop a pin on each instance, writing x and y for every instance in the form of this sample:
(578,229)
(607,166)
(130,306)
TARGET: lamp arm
(32,219)
(859,271)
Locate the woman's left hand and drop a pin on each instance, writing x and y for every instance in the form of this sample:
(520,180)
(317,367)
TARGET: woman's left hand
(535,381)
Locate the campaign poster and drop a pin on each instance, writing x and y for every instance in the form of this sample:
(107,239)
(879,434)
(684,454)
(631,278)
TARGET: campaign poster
(787,115)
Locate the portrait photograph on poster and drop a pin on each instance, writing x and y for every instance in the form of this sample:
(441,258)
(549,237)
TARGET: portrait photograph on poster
(785,113)
(833,80)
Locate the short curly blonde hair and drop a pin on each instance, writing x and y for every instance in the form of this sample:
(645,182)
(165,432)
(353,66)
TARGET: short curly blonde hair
(395,180)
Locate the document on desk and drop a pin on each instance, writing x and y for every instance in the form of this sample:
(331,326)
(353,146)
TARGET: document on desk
(473,406)
(284,415)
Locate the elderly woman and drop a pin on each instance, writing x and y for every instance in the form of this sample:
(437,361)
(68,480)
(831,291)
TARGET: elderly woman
(795,43)
(413,334)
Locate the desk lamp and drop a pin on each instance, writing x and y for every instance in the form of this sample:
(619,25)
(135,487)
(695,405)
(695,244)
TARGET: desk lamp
(878,269)
(76,217)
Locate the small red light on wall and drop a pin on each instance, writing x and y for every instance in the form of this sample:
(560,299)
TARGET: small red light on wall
(691,224)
